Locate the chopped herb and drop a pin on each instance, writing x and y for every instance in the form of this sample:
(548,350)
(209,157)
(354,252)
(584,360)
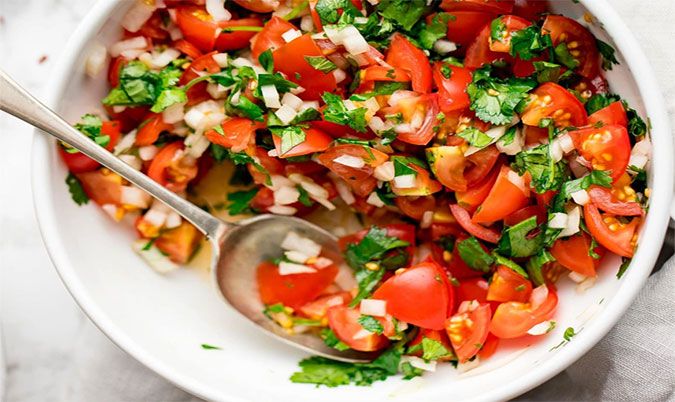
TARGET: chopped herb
(329,10)
(569,334)
(510,264)
(516,242)
(169,97)
(75,189)
(608,54)
(370,324)
(373,246)
(535,264)
(435,30)
(367,280)
(239,201)
(564,57)
(404,13)
(497,30)
(266,60)
(434,350)
(248,109)
(550,72)
(90,125)
(409,371)
(625,263)
(546,173)
(475,137)
(218,152)
(337,112)
(330,339)
(471,252)
(402,165)
(291,137)
(304,197)
(280,83)
(206,346)
(321,63)
(529,43)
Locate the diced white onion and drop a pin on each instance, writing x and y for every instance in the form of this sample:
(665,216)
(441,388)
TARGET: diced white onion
(297,90)
(581,197)
(205,115)
(131,54)
(279,181)
(96,60)
(363,333)
(396,97)
(340,75)
(639,156)
(377,124)
(270,96)
(242,62)
(147,152)
(639,161)
(577,277)
(343,190)
(196,144)
(420,363)
(296,256)
(134,196)
(174,30)
(323,262)
(295,242)
(555,151)
(289,268)
(216,9)
(578,170)
(291,101)
(538,296)
(405,181)
(173,220)
(353,41)
(515,147)
(309,105)
(542,328)
(306,23)
(159,60)
(558,220)
(273,153)
(286,196)
(375,200)
(157,261)
(566,143)
(155,217)
(517,181)
(586,284)
(125,143)
(111,210)
(427,219)
(132,160)
(135,43)
(216,91)
(351,161)
(573,221)
(444,46)
(286,114)
(291,35)
(314,190)
(374,307)
(174,113)
(137,15)
(221,59)
(282,210)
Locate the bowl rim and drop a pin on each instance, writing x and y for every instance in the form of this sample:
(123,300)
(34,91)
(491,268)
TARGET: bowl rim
(652,235)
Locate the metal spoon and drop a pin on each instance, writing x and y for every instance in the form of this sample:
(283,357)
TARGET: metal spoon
(237,249)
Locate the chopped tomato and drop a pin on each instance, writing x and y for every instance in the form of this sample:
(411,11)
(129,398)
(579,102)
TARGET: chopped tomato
(606,148)
(318,308)
(404,55)
(573,253)
(78,162)
(259,6)
(613,114)
(197,93)
(457,172)
(423,109)
(452,82)
(438,336)
(511,24)
(102,186)
(508,195)
(153,28)
(316,19)
(580,42)
(478,53)
(418,295)
(290,59)
(236,39)
(514,319)
(475,195)
(270,37)
(344,323)
(492,6)
(294,290)
(381,73)
(605,201)
(150,130)
(179,243)
(613,234)
(481,232)
(550,100)
(116,65)
(315,141)
(172,174)
(415,207)
(473,289)
(187,48)
(238,134)
(466,25)
(361,179)
(468,329)
(401,231)
(197,27)
(508,285)
(424,185)
(526,213)
(530,9)
(271,166)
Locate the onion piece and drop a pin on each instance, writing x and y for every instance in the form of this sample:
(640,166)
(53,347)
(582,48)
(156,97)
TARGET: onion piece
(270,96)
(157,261)
(286,114)
(135,43)
(420,363)
(96,60)
(289,268)
(291,35)
(137,15)
(444,46)
(295,242)
(558,220)
(351,161)
(375,200)
(291,101)
(581,197)
(216,9)
(373,307)
(542,328)
(286,196)
(405,181)
(282,210)
(573,222)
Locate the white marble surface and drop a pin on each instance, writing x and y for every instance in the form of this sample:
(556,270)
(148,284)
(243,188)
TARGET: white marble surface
(41,324)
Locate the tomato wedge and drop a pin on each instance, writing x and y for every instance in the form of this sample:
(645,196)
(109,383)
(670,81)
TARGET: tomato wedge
(481,232)
(573,254)
(411,108)
(616,236)
(508,285)
(603,199)
(475,195)
(150,130)
(514,319)
(580,42)
(315,141)
(235,40)
(171,174)
(508,195)
(424,184)
(457,172)
(466,25)
(318,308)
(606,148)
(550,100)
(361,179)
(419,295)
(78,162)
(381,73)
(468,329)
(290,59)
(492,6)
(344,323)
(451,89)
(478,53)
(238,134)
(415,207)
(101,186)
(438,336)
(197,27)
(270,37)
(259,6)
(512,24)
(293,290)
(406,56)
(613,114)
(179,243)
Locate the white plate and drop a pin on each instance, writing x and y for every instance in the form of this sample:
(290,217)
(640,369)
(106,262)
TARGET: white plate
(162,321)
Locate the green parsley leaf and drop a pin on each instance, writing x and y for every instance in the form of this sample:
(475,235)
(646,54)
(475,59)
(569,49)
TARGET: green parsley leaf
(404,13)
(494,99)
(90,125)
(282,84)
(437,29)
(471,252)
(329,10)
(475,137)
(321,63)
(331,340)
(266,60)
(248,109)
(595,177)
(409,371)
(550,72)
(608,55)
(336,112)
(367,280)
(535,264)
(636,126)
(76,191)
(600,101)
(569,334)
(373,246)
(433,350)
(239,201)
(501,260)
(497,29)
(546,174)
(564,57)
(304,197)
(370,324)
(402,165)
(291,137)
(529,43)
(206,346)
(168,97)
(515,241)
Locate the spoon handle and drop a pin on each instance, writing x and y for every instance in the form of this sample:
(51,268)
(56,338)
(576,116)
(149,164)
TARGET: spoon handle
(16,101)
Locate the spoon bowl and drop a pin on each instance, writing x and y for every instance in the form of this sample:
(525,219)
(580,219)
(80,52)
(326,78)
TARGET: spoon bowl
(238,249)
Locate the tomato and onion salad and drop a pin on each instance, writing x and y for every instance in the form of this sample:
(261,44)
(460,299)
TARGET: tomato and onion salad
(476,142)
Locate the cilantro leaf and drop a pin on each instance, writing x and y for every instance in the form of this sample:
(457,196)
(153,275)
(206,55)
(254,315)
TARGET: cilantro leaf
(266,60)
(625,263)
(329,10)
(90,125)
(409,371)
(600,101)
(433,349)
(330,339)
(435,30)
(475,137)
(501,260)
(337,112)
(494,99)
(546,174)
(321,63)
(471,252)
(168,97)
(515,241)
(564,57)
(497,29)
(206,346)
(291,136)
(248,108)
(404,13)
(239,201)
(535,264)
(550,72)
(76,191)
(367,280)
(529,43)
(370,324)
(402,165)
(282,84)
(608,55)
(304,196)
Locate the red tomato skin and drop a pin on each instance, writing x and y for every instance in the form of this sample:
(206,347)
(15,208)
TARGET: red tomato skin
(290,60)
(572,253)
(426,132)
(404,55)
(613,140)
(293,290)
(467,24)
(514,319)
(270,36)
(239,134)
(619,242)
(508,285)
(504,199)
(530,9)
(361,180)
(101,188)
(415,207)
(467,345)
(79,162)
(343,322)
(603,199)
(228,41)
(615,113)
(151,129)
(560,99)
(315,141)
(179,243)
(481,232)
(493,6)
(317,309)
(418,296)
(199,32)
(187,48)
(589,58)
(452,91)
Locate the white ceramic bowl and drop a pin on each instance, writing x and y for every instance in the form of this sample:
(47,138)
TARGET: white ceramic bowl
(162,320)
